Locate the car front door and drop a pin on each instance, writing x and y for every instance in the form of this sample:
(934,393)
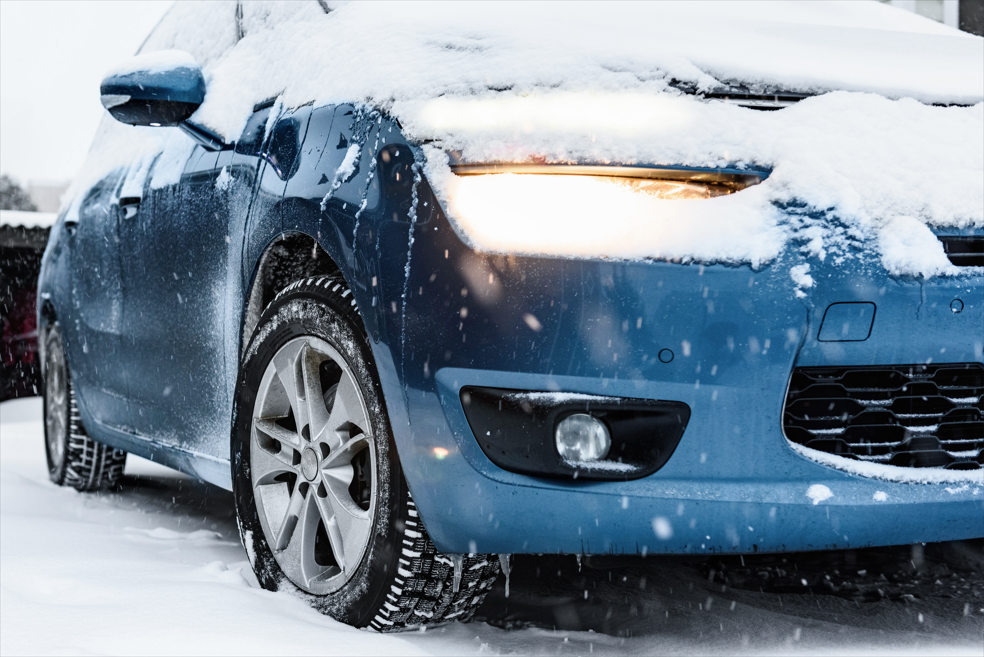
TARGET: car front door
(182,250)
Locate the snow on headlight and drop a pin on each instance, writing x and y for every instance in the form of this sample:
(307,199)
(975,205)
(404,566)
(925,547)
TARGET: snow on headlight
(587,216)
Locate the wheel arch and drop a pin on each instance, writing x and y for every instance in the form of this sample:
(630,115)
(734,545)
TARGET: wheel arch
(46,319)
(288,257)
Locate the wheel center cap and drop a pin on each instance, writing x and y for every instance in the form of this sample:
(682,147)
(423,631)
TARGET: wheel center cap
(309,464)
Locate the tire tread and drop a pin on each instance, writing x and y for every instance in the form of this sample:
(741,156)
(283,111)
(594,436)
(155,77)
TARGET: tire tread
(89,464)
(423,588)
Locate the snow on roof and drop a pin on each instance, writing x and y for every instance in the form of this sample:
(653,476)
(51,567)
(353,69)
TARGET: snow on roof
(622,83)
(27,219)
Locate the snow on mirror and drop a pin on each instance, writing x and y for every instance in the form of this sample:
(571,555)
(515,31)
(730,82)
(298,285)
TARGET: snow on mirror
(156,89)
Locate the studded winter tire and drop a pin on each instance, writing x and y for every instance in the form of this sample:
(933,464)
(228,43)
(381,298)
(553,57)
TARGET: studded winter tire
(323,507)
(74,459)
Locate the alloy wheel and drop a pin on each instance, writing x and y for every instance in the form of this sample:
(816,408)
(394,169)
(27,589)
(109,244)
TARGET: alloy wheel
(56,404)
(312,465)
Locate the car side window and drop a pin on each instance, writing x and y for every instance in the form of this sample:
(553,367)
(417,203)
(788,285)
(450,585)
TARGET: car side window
(284,146)
(99,199)
(251,142)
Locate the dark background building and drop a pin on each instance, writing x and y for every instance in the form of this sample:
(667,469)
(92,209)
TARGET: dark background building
(23,236)
(971,16)
(967,15)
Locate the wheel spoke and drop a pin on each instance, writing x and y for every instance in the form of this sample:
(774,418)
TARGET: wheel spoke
(352,522)
(328,516)
(338,479)
(61,390)
(347,412)
(287,527)
(271,429)
(315,414)
(355,532)
(311,516)
(342,455)
(285,364)
(295,554)
(266,465)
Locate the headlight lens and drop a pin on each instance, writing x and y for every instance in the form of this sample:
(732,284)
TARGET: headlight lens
(608,211)
(668,189)
(662,183)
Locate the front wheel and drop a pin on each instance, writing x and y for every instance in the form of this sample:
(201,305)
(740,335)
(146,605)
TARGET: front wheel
(323,507)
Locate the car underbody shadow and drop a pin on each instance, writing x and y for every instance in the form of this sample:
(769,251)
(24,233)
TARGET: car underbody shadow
(180,502)
(936,588)
(906,595)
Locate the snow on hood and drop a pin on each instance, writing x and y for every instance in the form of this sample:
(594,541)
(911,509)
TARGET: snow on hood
(387,53)
(605,83)
(875,168)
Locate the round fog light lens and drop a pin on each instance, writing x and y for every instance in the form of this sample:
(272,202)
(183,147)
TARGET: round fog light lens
(580,437)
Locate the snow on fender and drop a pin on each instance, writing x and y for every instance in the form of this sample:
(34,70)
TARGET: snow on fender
(818,493)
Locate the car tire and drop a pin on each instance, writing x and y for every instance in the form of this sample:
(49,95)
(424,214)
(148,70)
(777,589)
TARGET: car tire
(324,510)
(74,459)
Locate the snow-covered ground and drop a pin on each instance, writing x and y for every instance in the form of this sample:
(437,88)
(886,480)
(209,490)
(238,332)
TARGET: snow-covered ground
(157,568)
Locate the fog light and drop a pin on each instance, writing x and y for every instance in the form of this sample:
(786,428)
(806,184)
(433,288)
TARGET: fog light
(580,437)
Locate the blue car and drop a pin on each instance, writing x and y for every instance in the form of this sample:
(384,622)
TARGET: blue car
(301,313)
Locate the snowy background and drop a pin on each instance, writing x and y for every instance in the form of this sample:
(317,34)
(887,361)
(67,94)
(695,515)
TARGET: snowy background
(52,59)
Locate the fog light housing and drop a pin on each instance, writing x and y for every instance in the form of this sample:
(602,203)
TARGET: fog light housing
(517,431)
(581,437)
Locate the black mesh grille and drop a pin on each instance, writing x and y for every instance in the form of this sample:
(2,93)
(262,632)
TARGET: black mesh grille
(916,416)
(964,251)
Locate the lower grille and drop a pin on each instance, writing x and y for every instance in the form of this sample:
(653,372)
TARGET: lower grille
(964,251)
(915,416)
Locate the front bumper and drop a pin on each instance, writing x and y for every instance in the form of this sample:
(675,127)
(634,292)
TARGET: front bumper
(734,484)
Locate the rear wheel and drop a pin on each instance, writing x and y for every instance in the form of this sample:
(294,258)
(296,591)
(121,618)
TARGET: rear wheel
(323,507)
(74,459)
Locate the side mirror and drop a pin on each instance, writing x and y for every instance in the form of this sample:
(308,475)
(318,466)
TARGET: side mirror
(161,88)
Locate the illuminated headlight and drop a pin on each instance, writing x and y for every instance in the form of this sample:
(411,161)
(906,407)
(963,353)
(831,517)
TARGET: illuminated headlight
(581,437)
(660,183)
(605,211)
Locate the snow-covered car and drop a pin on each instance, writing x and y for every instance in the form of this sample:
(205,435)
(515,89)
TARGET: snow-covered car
(429,285)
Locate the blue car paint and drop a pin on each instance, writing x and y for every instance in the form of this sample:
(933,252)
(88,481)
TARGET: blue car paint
(184,84)
(733,485)
(847,321)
